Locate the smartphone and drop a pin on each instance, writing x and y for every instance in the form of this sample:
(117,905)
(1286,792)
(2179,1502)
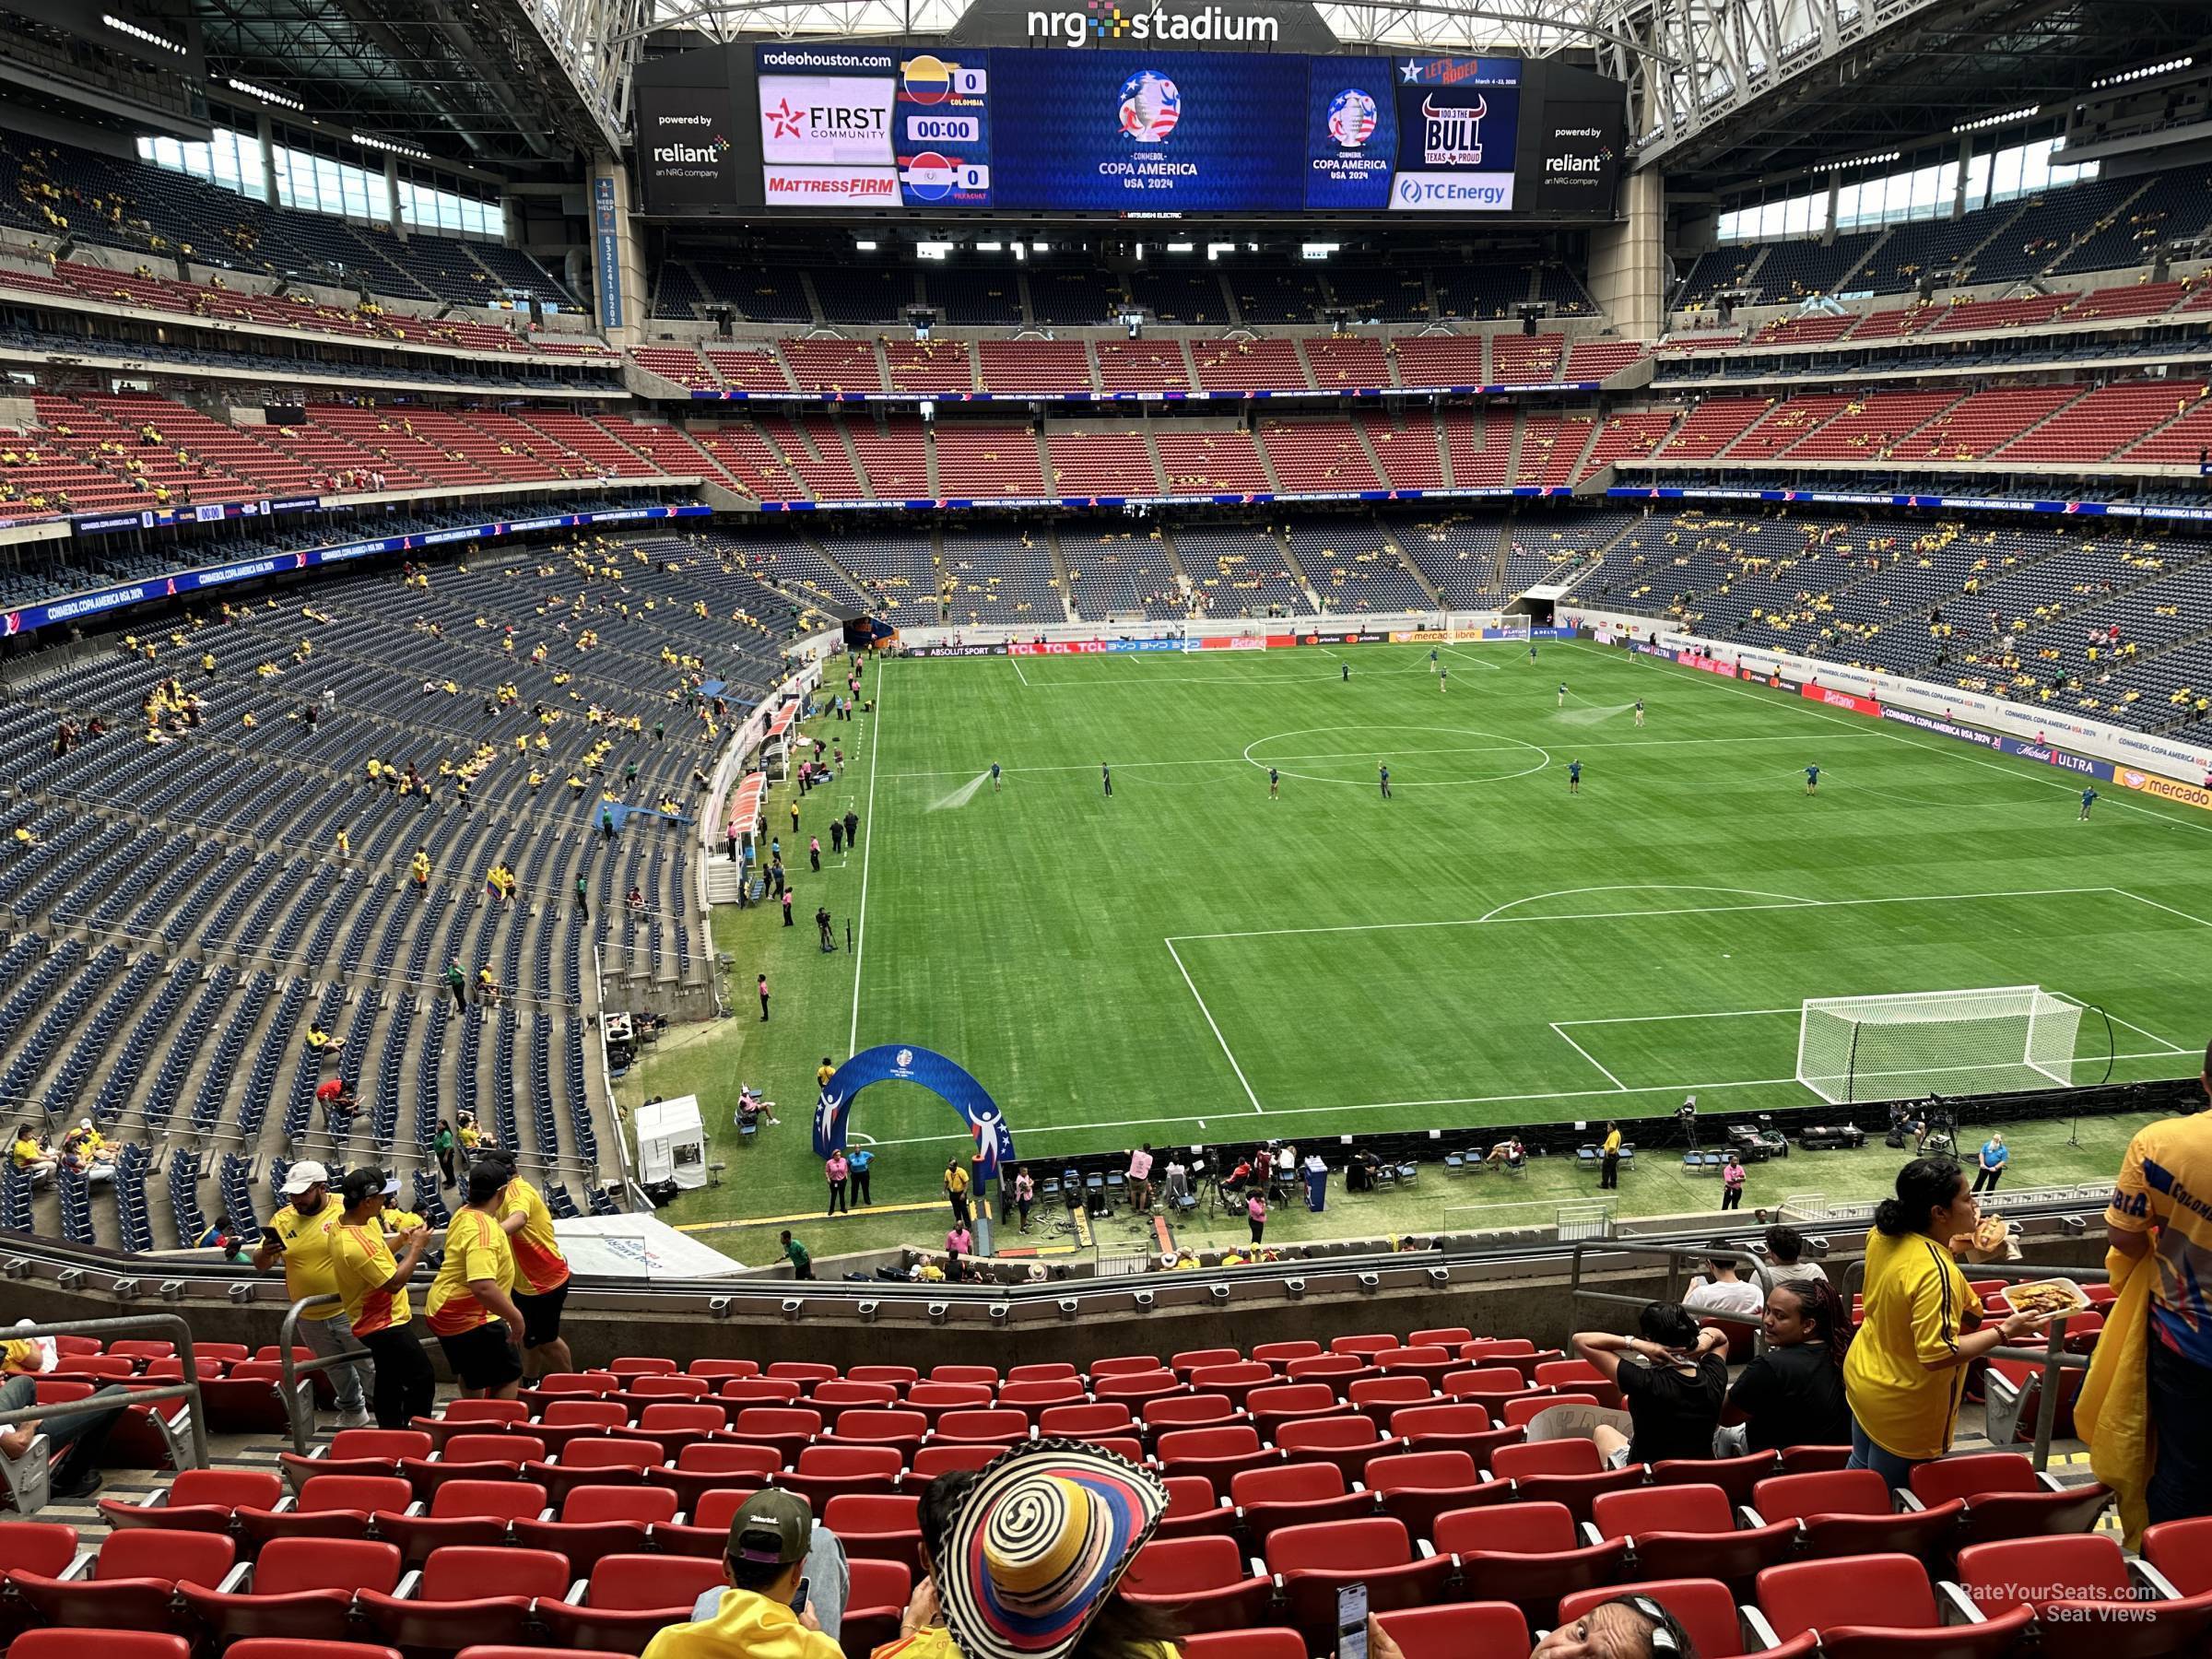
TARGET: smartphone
(798,1596)
(1351,1622)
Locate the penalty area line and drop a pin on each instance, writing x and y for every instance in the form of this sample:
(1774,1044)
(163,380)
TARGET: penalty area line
(1226,1052)
(1587,1054)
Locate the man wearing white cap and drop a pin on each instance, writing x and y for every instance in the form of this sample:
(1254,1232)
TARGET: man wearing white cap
(299,1235)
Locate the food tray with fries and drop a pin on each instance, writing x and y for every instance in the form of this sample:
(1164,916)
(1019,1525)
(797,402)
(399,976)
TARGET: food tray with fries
(2052,1297)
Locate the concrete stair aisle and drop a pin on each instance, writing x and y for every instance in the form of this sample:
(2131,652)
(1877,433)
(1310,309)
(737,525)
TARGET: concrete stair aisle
(1443,450)
(1297,571)
(1259,446)
(844,437)
(1062,582)
(1390,540)
(1367,448)
(1160,470)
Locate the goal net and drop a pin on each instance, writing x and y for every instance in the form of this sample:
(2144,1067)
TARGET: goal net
(1981,1041)
(1240,635)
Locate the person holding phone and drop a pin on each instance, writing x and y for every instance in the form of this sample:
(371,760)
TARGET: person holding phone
(767,1611)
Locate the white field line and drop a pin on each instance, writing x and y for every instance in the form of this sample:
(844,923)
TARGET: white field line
(1495,919)
(1018,673)
(1089,1126)
(1715,1014)
(1227,1053)
(2168,909)
(867,854)
(1479,662)
(1484,749)
(1587,1054)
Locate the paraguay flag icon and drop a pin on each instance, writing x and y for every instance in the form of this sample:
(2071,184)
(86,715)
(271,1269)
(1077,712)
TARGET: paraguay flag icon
(929,176)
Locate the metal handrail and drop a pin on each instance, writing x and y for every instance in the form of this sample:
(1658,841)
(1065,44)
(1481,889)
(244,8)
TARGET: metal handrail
(169,1326)
(1675,1256)
(294,1372)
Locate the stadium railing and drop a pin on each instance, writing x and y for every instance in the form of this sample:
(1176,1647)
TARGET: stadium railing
(27,1476)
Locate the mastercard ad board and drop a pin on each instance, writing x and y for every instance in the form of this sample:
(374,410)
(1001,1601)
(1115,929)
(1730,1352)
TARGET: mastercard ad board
(1125,130)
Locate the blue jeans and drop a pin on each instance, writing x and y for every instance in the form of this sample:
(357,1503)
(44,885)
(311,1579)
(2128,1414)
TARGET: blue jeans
(1895,1471)
(2181,1479)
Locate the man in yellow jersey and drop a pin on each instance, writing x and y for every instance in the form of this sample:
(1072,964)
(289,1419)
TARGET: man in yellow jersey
(374,1284)
(1610,1159)
(472,1312)
(2162,1203)
(766,1563)
(541,1272)
(395,1218)
(299,1236)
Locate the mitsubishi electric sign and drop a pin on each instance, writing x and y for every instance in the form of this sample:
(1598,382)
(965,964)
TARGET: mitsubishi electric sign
(1189,25)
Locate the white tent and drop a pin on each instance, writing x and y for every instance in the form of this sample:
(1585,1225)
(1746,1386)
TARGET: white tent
(672,1142)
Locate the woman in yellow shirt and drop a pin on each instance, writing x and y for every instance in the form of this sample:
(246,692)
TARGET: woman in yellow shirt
(1923,1324)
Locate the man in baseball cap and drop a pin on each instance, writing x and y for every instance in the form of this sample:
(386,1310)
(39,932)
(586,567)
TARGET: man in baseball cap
(766,1612)
(299,1236)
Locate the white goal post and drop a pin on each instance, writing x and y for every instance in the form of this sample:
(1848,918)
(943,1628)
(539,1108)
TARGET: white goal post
(1978,1042)
(1240,634)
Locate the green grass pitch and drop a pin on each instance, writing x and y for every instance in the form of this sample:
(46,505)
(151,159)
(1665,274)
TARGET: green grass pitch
(1190,960)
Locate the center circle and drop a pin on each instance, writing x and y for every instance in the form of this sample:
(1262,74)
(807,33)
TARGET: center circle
(1491,757)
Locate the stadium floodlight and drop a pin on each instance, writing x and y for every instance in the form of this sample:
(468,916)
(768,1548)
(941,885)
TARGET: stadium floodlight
(123,25)
(262,93)
(1975,1042)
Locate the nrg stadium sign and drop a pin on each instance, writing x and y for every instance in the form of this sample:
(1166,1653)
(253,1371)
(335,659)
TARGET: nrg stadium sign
(1195,25)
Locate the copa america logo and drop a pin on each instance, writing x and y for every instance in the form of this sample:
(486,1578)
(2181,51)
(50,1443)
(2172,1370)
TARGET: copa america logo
(1150,106)
(906,1058)
(1351,118)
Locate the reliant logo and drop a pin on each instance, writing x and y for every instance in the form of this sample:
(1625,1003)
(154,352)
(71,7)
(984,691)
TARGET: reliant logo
(1104,20)
(692,154)
(1575,164)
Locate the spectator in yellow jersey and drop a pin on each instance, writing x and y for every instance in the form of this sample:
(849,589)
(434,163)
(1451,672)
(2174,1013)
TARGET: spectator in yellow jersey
(1924,1325)
(541,1272)
(767,1562)
(2160,1221)
(299,1236)
(472,1310)
(373,1283)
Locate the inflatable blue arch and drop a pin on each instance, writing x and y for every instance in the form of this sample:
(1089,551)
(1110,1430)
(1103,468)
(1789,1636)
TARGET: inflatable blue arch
(906,1064)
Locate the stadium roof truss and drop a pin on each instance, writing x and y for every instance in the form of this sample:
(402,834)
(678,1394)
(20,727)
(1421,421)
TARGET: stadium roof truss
(1731,89)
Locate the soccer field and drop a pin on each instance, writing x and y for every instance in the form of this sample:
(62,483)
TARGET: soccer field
(1189,961)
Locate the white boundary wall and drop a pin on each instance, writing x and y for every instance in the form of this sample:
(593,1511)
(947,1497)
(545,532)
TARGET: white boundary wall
(2185,762)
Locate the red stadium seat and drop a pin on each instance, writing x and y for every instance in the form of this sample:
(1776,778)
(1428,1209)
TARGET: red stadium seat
(932,1460)
(1233,1379)
(1217,1454)
(1577,1376)
(650,1365)
(111,1644)
(131,1584)
(1705,1608)
(1295,1494)
(993,1425)
(1484,1382)
(1852,1511)
(1691,1532)
(279,1647)
(900,1377)
(2005,1497)
(1418,1487)
(599,1522)
(1383,1398)
(1196,1509)
(1283,1353)
(466,1595)
(300,1588)
(875,1601)
(887,1529)
(1314,1562)
(1881,1607)
(1035,1398)
(1364,1345)
(1458,1629)
(678,1425)
(198,1500)
(1429,1362)
(462,1512)
(329,1506)
(1286,1402)
(1337,1370)
(1346,1442)
(827,1471)
(722,1369)
(1133,1388)
(1271,1643)
(1734,1476)
(985,1376)
(1124,1365)
(1449,1336)
(1454,1427)
(705,1467)
(2183,1551)
(761,1391)
(2086,1602)
(470,1417)
(602,1460)
(832,1398)
(1188,1411)
(1191,1359)
(789,1429)
(1519,1410)
(1203,1582)
(43,1547)
(1529,1554)
(357,1451)
(658,1387)
(1046,1371)
(1077,1422)
(629,1599)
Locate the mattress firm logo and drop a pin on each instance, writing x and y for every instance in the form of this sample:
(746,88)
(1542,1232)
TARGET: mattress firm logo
(1103,22)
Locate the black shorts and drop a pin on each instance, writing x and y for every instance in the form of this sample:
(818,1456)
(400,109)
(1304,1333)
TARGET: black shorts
(541,1315)
(483,1357)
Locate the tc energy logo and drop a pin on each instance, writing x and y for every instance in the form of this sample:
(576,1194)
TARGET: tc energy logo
(1101,21)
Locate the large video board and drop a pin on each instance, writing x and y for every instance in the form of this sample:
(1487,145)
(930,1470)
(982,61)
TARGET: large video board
(1120,131)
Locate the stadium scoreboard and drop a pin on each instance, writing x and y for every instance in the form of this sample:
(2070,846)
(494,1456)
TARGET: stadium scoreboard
(1121,130)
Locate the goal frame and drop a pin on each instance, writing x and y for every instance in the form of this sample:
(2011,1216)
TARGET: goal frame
(2040,1007)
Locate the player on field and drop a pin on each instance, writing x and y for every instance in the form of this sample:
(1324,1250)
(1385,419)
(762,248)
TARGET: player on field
(1434,667)
(1574,777)
(1640,711)
(1562,694)
(1106,777)
(2088,799)
(1383,775)
(1812,779)
(1443,675)
(1347,671)
(995,777)
(1532,650)
(1275,784)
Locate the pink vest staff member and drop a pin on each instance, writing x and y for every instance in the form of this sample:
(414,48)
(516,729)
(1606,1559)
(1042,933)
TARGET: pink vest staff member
(1256,1210)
